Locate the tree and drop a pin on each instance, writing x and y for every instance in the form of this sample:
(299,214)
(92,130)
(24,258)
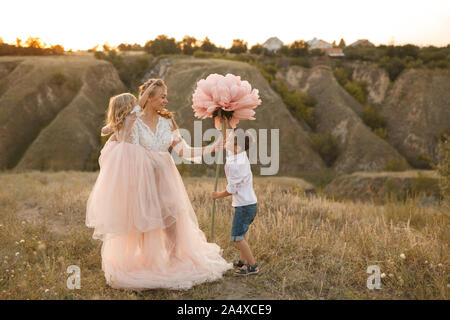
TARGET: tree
(284,50)
(94,49)
(208,46)
(162,45)
(57,49)
(342,44)
(129,47)
(238,46)
(34,43)
(256,49)
(394,66)
(18,42)
(106,47)
(189,45)
(298,48)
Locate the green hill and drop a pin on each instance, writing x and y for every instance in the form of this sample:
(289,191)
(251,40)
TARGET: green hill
(51,109)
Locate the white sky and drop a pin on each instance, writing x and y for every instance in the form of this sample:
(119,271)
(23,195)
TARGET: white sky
(81,24)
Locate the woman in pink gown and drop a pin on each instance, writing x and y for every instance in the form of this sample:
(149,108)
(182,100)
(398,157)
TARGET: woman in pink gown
(139,206)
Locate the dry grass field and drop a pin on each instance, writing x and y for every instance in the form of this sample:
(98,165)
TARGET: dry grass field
(308,247)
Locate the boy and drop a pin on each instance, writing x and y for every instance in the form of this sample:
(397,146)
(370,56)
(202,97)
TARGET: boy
(240,186)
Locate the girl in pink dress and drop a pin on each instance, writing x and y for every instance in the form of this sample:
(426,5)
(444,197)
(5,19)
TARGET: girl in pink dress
(139,206)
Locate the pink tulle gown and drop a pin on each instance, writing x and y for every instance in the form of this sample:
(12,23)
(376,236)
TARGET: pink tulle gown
(141,211)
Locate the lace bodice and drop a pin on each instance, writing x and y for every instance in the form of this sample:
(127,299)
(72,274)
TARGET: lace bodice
(135,131)
(160,140)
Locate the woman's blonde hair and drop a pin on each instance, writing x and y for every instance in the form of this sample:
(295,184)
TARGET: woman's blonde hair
(159,84)
(119,107)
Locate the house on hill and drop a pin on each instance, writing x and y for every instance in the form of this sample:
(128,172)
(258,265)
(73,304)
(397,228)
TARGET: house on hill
(318,44)
(334,52)
(325,47)
(362,43)
(273,44)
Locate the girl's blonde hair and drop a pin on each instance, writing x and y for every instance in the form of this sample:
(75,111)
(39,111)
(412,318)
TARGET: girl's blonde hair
(119,107)
(159,84)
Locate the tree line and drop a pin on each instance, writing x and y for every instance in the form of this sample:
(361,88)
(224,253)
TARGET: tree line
(31,47)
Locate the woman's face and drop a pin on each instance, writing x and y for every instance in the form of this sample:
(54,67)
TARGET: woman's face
(158,101)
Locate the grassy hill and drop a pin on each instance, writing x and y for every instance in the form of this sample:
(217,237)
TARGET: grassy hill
(51,109)
(416,108)
(382,186)
(308,247)
(359,148)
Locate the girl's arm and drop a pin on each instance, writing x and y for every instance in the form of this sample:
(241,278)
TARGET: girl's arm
(131,118)
(106,131)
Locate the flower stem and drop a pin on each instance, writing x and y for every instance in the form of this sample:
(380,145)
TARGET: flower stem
(215,184)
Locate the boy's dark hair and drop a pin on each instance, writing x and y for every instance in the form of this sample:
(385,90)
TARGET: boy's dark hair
(241,139)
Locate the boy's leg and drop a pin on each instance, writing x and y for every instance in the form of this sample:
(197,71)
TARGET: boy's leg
(245,252)
(241,255)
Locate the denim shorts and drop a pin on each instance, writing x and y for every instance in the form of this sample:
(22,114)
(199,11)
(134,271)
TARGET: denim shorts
(243,217)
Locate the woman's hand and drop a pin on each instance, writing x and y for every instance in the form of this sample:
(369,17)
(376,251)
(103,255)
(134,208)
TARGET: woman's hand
(143,99)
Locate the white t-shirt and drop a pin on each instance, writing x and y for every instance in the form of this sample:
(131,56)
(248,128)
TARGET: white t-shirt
(240,179)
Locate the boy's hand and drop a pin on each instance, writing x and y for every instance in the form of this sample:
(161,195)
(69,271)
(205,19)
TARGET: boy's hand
(220,144)
(215,195)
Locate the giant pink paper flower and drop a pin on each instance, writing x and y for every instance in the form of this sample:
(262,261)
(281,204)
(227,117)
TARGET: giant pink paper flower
(218,96)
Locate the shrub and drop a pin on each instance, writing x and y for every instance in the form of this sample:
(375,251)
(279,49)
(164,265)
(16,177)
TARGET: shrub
(58,78)
(266,75)
(381,132)
(424,161)
(372,118)
(270,69)
(424,184)
(356,91)
(343,75)
(394,66)
(203,54)
(299,103)
(363,53)
(301,61)
(327,147)
(396,164)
